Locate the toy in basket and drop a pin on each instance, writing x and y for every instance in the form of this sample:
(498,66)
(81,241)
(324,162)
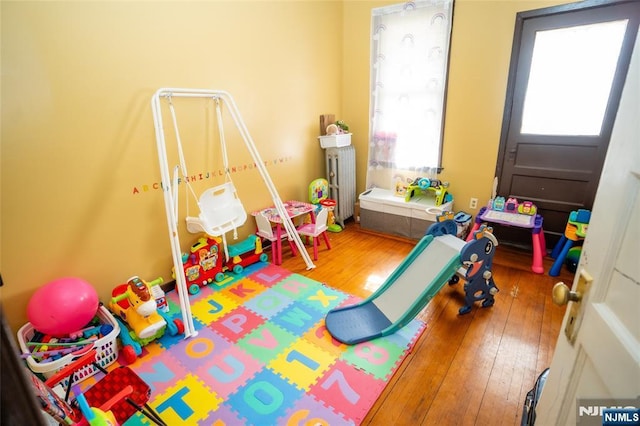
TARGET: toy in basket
(134,305)
(46,355)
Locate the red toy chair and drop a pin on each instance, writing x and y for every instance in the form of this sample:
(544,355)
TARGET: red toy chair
(134,392)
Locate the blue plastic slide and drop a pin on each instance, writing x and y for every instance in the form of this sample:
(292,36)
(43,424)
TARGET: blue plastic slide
(429,266)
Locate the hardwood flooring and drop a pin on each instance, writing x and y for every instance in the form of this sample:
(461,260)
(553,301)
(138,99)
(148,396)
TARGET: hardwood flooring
(473,369)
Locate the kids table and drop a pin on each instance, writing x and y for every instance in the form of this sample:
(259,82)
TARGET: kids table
(533,222)
(294,209)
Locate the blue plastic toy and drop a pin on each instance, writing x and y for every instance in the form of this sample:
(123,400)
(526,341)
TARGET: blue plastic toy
(477,255)
(436,258)
(575,230)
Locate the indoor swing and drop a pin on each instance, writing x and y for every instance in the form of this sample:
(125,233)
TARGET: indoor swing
(221,210)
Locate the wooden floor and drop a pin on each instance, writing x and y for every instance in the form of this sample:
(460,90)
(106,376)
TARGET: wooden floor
(473,369)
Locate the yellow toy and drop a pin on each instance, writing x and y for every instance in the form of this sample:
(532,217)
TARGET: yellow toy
(134,305)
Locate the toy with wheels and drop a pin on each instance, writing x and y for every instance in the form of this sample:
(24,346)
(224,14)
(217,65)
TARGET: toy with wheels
(245,253)
(133,304)
(205,262)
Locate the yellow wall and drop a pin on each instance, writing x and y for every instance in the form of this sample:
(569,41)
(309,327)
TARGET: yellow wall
(77,128)
(77,132)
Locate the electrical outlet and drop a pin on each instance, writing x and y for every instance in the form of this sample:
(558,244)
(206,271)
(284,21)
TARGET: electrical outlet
(473,203)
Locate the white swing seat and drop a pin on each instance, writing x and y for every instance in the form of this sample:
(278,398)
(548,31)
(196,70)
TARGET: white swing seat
(220,211)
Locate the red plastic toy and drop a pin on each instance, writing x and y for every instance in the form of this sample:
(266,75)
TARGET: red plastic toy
(205,262)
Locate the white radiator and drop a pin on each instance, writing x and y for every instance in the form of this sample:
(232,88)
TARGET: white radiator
(341,174)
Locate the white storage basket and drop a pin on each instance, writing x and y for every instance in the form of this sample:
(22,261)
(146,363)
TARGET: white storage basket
(335,141)
(106,350)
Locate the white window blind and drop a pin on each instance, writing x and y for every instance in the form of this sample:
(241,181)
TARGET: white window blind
(409,63)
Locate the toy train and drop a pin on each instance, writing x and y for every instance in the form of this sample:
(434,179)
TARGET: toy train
(205,262)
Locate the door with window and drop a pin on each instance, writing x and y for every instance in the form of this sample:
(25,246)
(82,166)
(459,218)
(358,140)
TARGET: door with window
(596,363)
(568,67)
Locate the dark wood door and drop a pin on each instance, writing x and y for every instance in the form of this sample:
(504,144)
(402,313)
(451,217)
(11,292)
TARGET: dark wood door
(551,152)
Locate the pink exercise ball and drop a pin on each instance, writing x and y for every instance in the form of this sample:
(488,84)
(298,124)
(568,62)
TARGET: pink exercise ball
(62,306)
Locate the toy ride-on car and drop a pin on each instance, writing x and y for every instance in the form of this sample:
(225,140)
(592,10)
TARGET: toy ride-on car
(133,304)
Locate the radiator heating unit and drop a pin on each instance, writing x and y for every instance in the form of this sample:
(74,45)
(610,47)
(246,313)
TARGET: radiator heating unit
(341,175)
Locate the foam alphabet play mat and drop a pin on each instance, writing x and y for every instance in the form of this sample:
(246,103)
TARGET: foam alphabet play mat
(262,356)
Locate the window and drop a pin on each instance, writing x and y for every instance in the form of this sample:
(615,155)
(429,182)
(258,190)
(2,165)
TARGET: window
(572,70)
(409,62)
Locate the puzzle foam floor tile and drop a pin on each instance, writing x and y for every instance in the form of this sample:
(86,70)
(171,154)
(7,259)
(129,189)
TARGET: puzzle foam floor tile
(188,401)
(160,371)
(302,363)
(263,356)
(229,370)
(265,398)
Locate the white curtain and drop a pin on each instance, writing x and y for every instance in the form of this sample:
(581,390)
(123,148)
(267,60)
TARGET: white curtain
(409,62)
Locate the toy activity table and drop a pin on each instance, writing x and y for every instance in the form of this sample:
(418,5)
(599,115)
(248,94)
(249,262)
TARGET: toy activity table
(295,209)
(533,222)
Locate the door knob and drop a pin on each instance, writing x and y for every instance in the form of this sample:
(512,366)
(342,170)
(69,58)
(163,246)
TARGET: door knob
(561,294)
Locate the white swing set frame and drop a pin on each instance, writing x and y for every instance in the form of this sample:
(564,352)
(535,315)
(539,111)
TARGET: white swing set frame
(170,190)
